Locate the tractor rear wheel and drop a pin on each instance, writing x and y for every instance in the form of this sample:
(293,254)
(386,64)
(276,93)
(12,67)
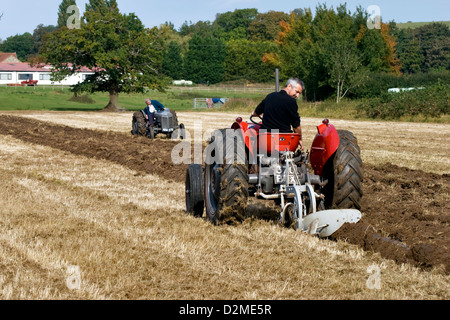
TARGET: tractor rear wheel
(138,124)
(194,190)
(344,173)
(226,182)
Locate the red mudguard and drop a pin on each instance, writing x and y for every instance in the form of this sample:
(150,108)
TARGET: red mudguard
(250,134)
(324,146)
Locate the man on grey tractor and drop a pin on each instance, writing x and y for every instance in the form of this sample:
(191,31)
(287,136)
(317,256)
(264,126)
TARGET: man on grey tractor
(280,109)
(151,108)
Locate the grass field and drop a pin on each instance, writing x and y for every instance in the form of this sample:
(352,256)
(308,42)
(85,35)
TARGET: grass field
(413,25)
(48,98)
(59,98)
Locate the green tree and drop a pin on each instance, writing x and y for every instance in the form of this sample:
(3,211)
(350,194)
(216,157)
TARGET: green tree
(234,25)
(63,16)
(204,61)
(21,44)
(201,27)
(38,35)
(434,39)
(424,48)
(336,50)
(297,51)
(102,6)
(244,60)
(372,48)
(266,26)
(124,55)
(410,52)
(342,59)
(173,62)
(168,34)
(345,68)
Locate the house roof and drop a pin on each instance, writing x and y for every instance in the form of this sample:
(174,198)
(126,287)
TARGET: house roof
(21,67)
(8,57)
(26,67)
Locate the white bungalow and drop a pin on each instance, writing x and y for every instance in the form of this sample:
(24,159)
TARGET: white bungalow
(15,73)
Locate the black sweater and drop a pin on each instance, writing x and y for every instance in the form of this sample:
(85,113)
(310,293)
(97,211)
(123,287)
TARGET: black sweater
(280,112)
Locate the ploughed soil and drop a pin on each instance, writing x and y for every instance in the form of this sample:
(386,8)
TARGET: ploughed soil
(406,213)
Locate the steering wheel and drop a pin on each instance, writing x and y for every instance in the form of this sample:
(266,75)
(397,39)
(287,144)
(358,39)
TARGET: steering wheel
(258,123)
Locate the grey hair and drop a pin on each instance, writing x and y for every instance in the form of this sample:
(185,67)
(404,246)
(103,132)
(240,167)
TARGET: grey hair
(295,82)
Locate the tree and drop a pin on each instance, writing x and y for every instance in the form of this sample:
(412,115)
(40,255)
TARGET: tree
(434,39)
(102,6)
(391,57)
(423,49)
(234,25)
(266,26)
(168,34)
(345,68)
(244,60)
(333,50)
(201,27)
(204,61)
(296,46)
(410,54)
(63,16)
(38,35)
(173,62)
(373,49)
(22,44)
(124,55)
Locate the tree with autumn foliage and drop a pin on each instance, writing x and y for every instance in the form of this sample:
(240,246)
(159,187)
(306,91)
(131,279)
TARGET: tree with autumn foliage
(333,50)
(297,50)
(391,57)
(266,26)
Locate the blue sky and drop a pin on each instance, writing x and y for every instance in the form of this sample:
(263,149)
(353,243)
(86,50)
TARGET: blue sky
(20,16)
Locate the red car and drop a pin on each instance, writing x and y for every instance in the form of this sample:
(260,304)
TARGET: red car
(29,82)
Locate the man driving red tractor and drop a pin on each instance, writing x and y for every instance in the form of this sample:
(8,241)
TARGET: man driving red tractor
(280,109)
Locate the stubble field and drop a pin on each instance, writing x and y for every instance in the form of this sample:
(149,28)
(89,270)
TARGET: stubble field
(90,212)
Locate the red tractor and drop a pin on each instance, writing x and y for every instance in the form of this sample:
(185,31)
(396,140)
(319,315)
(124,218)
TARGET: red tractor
(318,191)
